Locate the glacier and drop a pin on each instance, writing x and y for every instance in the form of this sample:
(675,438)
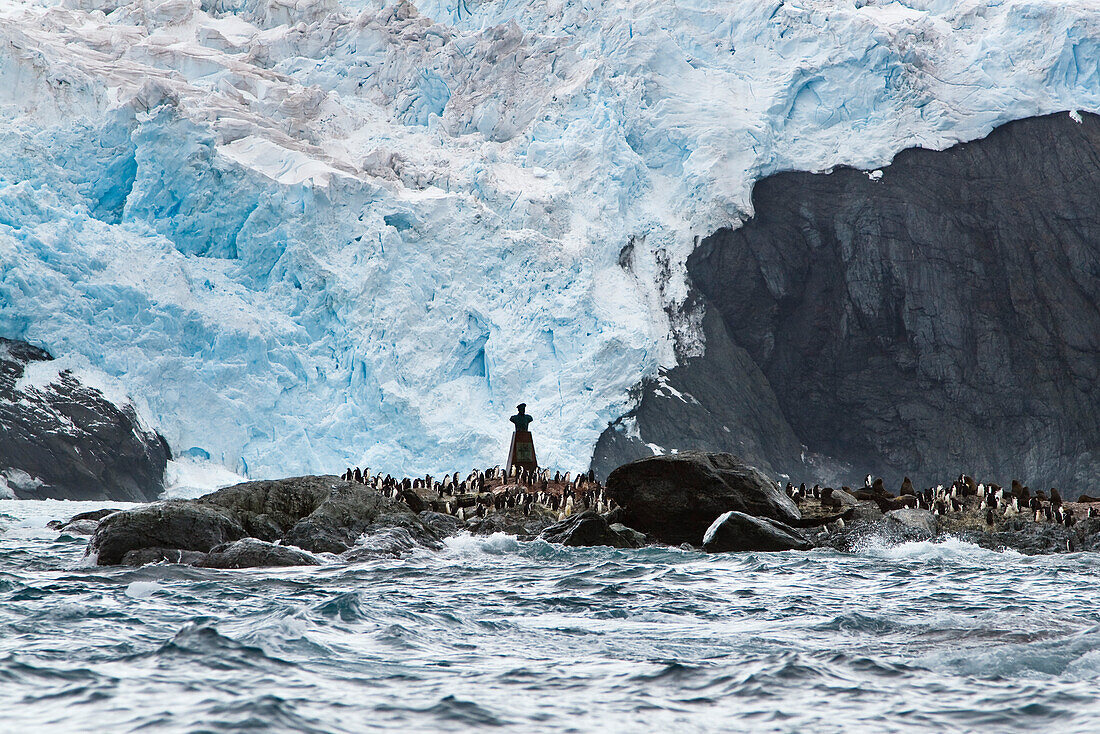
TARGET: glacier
(304,234)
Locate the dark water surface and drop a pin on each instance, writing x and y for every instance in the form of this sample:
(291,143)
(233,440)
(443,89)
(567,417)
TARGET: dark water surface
(528,637)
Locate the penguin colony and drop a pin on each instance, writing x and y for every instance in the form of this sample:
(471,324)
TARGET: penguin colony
(494,489)
(964,494)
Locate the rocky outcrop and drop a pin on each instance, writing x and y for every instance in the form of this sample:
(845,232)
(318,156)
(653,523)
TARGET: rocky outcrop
(66,440)
(524,527)
(590,528)
(182,525)
(736,531)
(317,514)
(938,316)
(675,498)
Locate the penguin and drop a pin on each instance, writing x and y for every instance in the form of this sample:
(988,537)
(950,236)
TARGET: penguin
(1055,497)
(989,520)
(867,482)
(358,476)
(1092,512)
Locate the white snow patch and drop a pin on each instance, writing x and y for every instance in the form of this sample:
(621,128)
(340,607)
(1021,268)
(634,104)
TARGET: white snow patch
(187,478)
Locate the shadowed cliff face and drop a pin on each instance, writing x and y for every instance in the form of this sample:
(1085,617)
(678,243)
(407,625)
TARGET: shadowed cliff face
(939,318)
(66,440)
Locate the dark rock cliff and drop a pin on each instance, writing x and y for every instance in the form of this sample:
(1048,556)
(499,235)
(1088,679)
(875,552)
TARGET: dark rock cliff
(66,440)
(941,317)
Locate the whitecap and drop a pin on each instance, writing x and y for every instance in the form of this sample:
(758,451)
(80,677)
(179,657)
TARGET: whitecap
(142,589)
(946,548)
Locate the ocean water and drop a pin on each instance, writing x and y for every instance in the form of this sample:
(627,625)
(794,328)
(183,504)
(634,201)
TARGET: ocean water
(492,633)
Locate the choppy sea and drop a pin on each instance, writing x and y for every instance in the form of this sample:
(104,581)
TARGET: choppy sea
(493,633)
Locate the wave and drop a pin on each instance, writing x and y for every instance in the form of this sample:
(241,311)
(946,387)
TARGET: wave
(945,548)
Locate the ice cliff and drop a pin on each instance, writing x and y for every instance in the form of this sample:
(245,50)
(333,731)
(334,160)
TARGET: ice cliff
(305,234)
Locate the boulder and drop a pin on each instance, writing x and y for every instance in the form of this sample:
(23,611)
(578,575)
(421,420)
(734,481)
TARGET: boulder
(442,524)
(80,527)
(921,521)
(676,498)
(174,525)
(318,514)
(511,522)
(251,553)
(866,512)
(736,531)
(632,537)
(590,528)
(62,439)
(96,515)
(844,499)
(349,512)
(84,523)
(383,542)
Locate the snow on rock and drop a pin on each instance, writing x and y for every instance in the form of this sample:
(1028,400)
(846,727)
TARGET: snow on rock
(309,234)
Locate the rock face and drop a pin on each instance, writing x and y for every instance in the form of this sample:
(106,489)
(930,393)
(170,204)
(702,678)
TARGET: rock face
(676,498)
(736,531)
(317,514)
(939,316)
(65,440)
(590,528)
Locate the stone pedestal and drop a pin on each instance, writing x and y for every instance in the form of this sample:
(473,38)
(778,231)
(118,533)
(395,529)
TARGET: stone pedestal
(522,452)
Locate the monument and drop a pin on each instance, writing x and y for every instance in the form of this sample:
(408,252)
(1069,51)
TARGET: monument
(522,453)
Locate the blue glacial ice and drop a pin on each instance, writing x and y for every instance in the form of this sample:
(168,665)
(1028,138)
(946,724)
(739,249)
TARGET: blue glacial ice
(301,235)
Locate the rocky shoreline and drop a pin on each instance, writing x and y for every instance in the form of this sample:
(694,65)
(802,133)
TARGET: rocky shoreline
(63,439)
(713,502)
